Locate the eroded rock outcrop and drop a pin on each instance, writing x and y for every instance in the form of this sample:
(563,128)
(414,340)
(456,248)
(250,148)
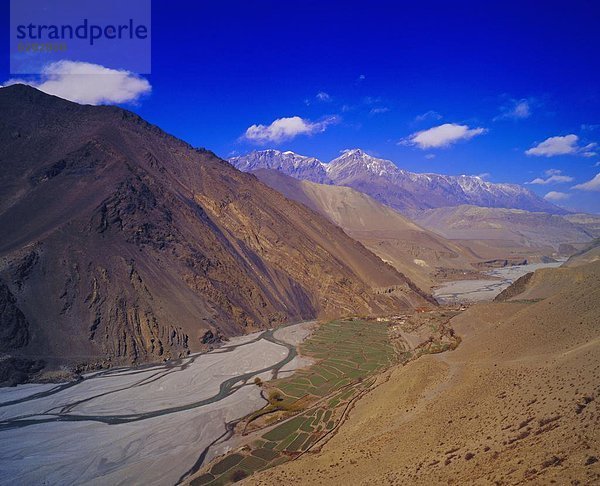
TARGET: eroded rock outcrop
(14,328)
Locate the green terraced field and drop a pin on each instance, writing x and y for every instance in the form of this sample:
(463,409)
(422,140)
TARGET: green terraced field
(347,353)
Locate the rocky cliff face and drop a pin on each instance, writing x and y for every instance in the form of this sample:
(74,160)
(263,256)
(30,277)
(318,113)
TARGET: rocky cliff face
(122,244)
(14,328)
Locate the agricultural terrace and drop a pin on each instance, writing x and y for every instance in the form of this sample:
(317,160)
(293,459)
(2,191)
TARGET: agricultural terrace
(308,406)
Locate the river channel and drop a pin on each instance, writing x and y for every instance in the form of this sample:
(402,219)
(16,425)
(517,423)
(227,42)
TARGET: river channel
(154,424)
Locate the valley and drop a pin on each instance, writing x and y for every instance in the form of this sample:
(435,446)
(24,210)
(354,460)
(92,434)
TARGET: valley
(254,395)
(459,291)
(516,402)
(300,243)
(291,319)
(266,403)
(349,360)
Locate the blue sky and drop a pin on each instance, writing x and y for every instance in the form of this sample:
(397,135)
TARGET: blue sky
(499,77)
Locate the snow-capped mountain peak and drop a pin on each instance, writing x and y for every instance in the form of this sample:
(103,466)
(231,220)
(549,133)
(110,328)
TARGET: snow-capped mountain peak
(288,162)
(353,160)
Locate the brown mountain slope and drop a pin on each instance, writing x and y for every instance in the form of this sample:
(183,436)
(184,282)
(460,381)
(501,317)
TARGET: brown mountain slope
(524,227)
(590,223)
(588,255)
(517,401)
(122,243)
(546,282)
(491,232)
(414,251)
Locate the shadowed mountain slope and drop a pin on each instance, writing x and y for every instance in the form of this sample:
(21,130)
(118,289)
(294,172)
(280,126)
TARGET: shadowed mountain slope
(121,243)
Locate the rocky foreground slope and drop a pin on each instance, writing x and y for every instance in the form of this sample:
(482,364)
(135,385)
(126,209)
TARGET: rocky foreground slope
(517,401)
(121,243)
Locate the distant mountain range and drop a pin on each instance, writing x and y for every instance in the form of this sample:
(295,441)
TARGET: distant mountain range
(395,187)
(448,239)
(529,229)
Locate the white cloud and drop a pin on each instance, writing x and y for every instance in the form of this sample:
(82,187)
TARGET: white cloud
(322,96)
(591,185)
(588,150)
(515,110)
(597,164)
(556,196)
(562,145)
(442,136)
(88,83)
(555,146)
(286,129)
(553,176)
(430,156)
(483,176)
(428,115)
(557,179)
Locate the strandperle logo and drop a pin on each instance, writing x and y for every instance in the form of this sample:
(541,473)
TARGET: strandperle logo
(85,31)
(112,33)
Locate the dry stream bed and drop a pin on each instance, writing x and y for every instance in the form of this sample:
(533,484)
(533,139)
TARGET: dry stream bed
(210,418)
(154,424)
